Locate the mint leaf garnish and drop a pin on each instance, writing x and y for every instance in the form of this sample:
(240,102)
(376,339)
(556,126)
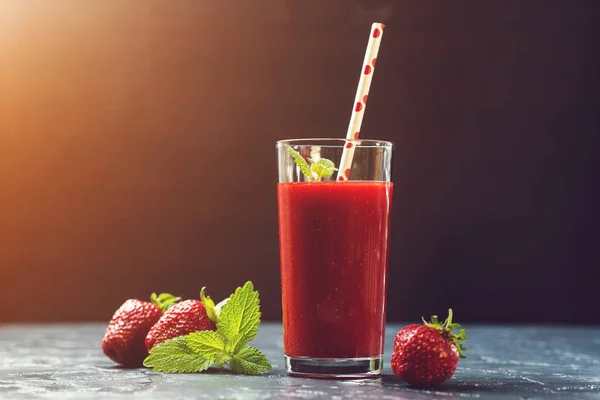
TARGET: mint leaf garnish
(220,305)
(300,161)
(176,356)
(210,344)
(318,169)
(240,317)
(237,321)
(323,168)
(249,360)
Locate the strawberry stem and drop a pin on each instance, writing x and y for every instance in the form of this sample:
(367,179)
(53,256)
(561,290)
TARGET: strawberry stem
(209,305)
(164,301)
(446,329)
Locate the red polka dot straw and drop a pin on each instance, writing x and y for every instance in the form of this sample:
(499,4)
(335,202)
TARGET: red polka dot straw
(360,101)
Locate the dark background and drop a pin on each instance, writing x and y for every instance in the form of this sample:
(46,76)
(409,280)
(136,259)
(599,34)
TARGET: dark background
(137,149)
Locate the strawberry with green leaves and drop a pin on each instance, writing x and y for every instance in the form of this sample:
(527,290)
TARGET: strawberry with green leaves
(427,355)
(185,317)
(123,341)
(237,320)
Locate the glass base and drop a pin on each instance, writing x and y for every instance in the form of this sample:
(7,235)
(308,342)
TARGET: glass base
(364,367)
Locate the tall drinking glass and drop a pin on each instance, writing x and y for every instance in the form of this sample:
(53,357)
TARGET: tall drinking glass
(333,239)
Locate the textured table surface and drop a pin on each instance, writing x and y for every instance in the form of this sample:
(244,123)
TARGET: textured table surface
(65,361)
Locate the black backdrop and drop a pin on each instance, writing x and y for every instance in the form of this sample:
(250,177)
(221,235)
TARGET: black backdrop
(137,148)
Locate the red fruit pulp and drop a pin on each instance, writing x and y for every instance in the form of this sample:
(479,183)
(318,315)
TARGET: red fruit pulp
(333,240)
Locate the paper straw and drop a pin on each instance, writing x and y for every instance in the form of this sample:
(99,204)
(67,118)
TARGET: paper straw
(360,101)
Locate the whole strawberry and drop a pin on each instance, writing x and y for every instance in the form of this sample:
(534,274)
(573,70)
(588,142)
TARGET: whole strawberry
(427,355)
(185,317)
(123,341)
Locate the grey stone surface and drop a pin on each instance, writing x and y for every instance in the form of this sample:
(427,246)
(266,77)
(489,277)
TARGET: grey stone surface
(65,362)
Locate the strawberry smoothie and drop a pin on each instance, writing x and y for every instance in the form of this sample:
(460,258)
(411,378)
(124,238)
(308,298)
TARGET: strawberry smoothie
(334,250)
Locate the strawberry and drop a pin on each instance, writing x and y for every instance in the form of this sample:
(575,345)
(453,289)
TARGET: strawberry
(124,338)
(427,355)
(183,318)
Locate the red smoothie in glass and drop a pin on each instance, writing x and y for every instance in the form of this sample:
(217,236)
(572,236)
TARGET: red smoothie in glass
(334,249)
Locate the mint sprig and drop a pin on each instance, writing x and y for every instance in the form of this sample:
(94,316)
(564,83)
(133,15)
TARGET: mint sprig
(317,170)
(175,355)
(237,321)
(300,161)
(240,317)
(249,360)
(211,345)
(322,168)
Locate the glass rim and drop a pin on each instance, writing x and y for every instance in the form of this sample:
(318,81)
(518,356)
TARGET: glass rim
(335,142)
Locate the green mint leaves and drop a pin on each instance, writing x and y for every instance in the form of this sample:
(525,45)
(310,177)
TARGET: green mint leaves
(249,360)
(318,169)
(237,320)
(211,345)
(176,356)
(300,161)
(323,168)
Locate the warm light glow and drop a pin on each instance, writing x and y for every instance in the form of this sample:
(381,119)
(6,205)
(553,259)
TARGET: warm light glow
(101,105)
